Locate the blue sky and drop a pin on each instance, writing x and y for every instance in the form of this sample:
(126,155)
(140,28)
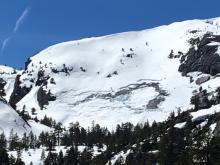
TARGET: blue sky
(28,26)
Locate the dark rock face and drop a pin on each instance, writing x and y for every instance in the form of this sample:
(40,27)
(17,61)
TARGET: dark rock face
(3,100)
(18,92)
(202,80)
(203,59)
(43,97)
(66,70)
(27,63)
(41,78)
(2,85)
(153,104)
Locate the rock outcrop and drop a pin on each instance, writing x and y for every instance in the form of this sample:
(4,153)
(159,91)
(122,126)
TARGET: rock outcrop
(202,80)
(202,56)
(2,85)
(18,92)
(43,97)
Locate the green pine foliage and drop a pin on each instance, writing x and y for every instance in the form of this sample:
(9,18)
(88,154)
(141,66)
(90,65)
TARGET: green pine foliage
(158,143)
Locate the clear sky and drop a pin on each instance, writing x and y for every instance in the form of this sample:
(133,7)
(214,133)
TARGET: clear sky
(28,26)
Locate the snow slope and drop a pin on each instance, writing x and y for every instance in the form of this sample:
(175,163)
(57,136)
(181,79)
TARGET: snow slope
(8,74)
(115,78)
(102,68)
(9,119)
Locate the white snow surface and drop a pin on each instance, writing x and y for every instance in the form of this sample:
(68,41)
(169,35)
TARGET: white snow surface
(79,93)
(9,119)
(106,74)
(205,112)
(122,156)
(180,125)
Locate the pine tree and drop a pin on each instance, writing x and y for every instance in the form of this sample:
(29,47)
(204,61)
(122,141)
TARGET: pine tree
(13,141)
(58,130)
(32,140)
(51,159)
(19,153)
(85,157)
(201,144)
(42,157)
(71,156)
(60,158)
(171,146)
(33,111)
(25,141)
(74,132)
(4,159)
(3,141)
(195,101)
(214,151)
(186,157)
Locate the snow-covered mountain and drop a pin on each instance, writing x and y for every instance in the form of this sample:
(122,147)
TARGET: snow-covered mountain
(126,77)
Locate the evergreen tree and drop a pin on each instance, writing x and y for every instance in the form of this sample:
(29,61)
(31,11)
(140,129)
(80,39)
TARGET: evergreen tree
(195,101)
(4,159)
(199,145)
(32,140)
(60,158)
(214,151)
(51,159)
(171,146)
(25,141)
(19,153)
(74,132)
(42,157)
(3,141)
(58,131)
(13,141)
(47,121)
(71,156)
(85,157)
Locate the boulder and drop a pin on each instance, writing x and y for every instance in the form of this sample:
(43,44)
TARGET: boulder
(202,80)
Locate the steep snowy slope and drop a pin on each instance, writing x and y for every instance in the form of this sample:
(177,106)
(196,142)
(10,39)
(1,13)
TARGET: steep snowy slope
(9,120)
(7,79)
(111,79)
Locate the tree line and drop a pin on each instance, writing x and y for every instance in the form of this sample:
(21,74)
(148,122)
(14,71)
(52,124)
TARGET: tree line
(159,143)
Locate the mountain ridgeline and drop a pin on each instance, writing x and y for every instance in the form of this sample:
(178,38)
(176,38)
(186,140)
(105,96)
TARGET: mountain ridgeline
(145,97)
